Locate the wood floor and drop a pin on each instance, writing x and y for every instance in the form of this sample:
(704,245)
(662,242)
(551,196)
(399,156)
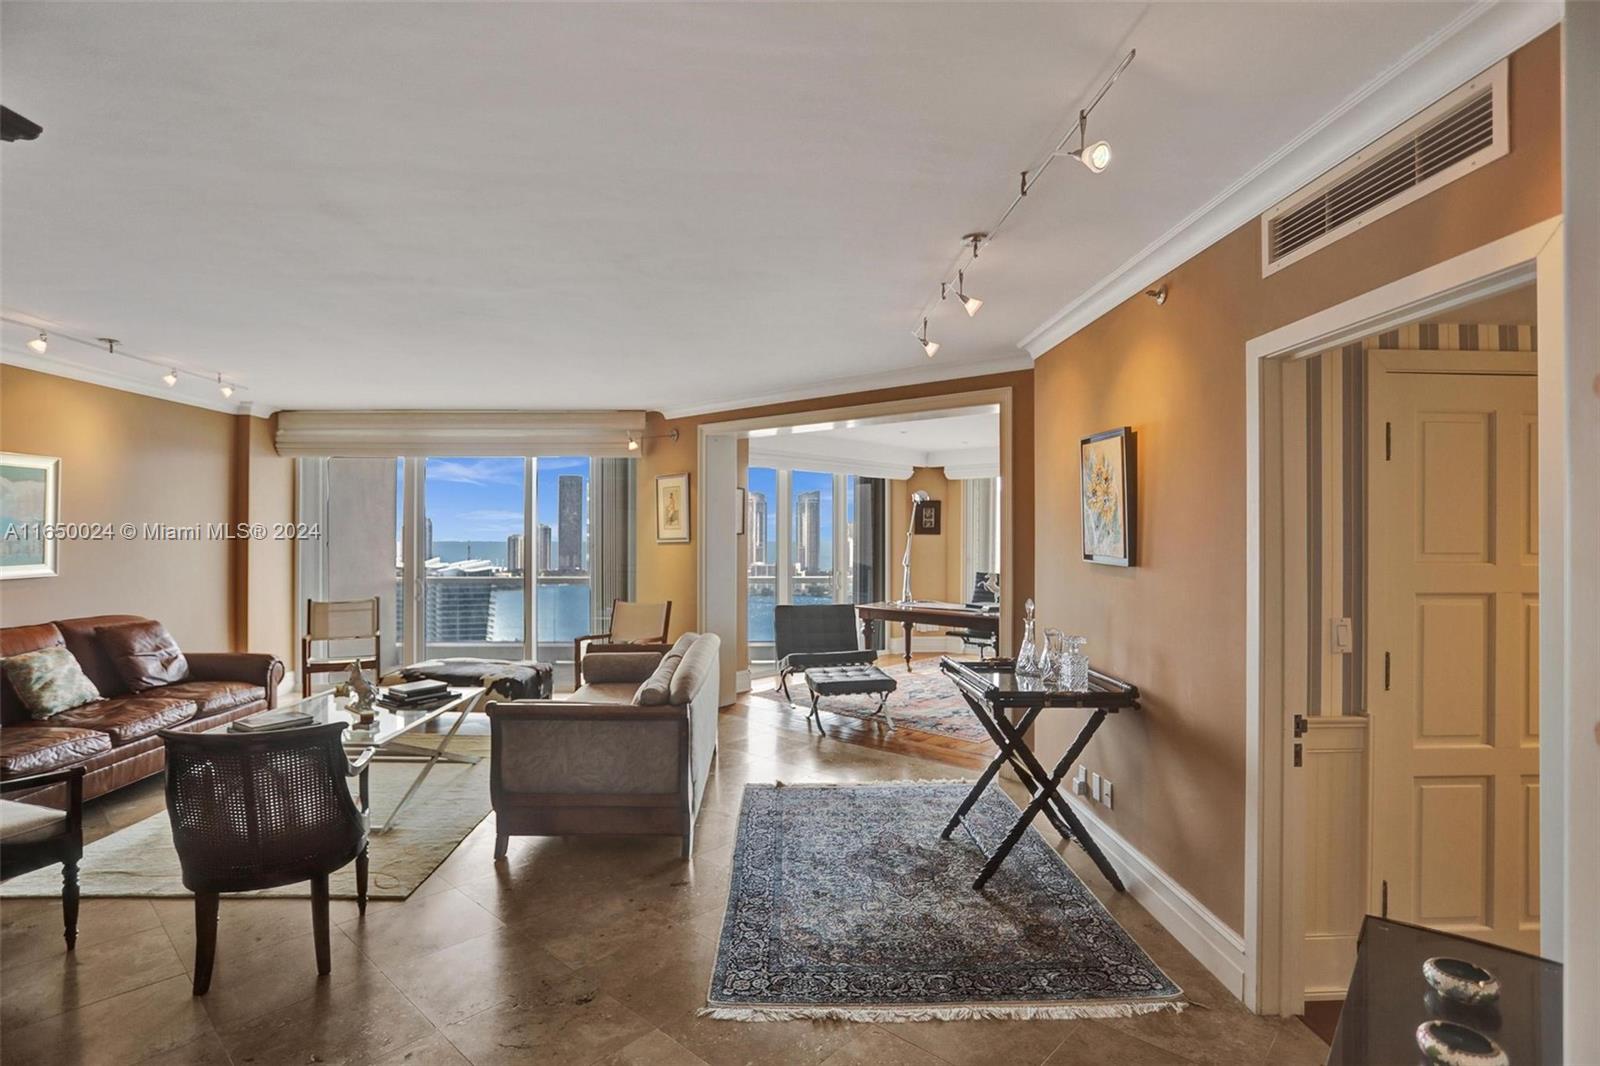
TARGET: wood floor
(902,740)
(573,951)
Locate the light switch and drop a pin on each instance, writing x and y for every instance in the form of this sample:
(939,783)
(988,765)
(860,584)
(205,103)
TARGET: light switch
(1343,636)
(1094,787)
(1105,794)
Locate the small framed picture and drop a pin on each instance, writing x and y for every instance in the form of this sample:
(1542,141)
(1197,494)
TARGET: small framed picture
(30,501)
(672,509)
(928,516)
(1105,481)
(742,504)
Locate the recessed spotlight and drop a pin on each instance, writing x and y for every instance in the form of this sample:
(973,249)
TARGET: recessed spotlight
(170,377)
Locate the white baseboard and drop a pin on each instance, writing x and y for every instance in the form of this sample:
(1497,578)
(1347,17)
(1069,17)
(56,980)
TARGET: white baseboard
(741,681)
(1203,934)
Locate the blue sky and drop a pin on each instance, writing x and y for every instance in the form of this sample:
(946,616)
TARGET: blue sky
(481,499)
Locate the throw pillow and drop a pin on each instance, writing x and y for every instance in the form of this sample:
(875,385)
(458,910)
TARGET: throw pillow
(657,688)
(49,681)
(144,654)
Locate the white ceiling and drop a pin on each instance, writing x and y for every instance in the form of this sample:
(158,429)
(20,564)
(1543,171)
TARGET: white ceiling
(614,206)
(966,442)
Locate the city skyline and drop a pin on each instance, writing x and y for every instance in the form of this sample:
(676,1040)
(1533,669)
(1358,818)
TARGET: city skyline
(480,502)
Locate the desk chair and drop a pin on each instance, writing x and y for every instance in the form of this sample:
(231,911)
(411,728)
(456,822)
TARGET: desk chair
(983,591)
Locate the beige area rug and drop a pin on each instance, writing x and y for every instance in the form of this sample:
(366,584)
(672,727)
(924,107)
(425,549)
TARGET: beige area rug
(141,861)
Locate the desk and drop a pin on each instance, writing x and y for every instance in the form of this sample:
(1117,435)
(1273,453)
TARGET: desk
(924,612)
(992,688)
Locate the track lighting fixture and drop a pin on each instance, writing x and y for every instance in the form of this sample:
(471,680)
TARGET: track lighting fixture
(112,346)
(971,303)
(1095,157)
(633,443)
(636,440)
(1158,294)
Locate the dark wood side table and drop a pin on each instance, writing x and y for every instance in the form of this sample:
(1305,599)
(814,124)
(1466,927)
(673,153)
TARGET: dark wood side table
(1388,998)
(992,689)
(924,612)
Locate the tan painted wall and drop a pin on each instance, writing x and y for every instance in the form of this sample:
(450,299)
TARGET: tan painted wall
(1175,373)
(935,560)
(131,458)
(669,571)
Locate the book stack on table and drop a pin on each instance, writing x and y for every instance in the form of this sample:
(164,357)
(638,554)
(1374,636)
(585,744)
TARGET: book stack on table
(416,695)
(271,721)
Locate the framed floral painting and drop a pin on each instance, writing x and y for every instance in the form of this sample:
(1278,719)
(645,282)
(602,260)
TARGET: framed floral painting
(1105,479)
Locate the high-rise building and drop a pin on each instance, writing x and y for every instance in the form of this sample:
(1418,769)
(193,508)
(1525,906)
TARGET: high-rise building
(460,602)
(808,532)
(429,553)
(569,519)
(516,556)
(757,526)
(543,557)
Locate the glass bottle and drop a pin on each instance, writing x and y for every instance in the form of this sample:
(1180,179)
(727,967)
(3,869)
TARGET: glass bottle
(1028,652)
(1052,663)
(1075,665)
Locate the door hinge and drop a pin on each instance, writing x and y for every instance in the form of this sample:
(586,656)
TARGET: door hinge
(1388,441)
(1384,913)
(1386,671)
(1299,754)
(1301,725)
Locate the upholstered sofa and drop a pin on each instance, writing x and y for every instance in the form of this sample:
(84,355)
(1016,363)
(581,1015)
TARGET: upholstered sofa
(628,753)
(116,738)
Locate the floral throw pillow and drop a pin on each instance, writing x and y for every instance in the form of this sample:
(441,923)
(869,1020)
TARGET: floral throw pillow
(49,681)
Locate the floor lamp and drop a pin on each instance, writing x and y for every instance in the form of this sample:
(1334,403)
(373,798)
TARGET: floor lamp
(918,498)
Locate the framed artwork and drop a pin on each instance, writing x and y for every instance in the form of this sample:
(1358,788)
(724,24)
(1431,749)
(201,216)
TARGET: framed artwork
(928,516)
(742,503)
(30,501)
(1105,484)
(672,509)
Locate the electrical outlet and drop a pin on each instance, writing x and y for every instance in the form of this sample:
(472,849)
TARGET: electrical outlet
(1105,793)
(1094,787)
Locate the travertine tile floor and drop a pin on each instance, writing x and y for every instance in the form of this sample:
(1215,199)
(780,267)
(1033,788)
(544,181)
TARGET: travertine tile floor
(572,952)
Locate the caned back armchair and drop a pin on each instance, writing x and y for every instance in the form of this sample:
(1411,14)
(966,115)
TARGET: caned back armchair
(258,810)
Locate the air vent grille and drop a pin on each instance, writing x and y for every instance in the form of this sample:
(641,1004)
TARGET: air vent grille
(1460,132)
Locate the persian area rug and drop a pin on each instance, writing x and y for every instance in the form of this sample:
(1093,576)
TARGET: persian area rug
(846,904)
(141,861)
(925,699)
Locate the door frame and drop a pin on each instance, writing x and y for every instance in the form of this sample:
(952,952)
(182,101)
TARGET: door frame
(1274,800)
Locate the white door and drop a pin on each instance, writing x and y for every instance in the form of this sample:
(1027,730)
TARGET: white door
(1453,678)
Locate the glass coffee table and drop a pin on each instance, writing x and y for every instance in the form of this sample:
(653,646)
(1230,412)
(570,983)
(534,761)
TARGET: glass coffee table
(383,735)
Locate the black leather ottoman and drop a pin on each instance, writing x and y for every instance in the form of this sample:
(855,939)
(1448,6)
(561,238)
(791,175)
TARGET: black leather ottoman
(849,681)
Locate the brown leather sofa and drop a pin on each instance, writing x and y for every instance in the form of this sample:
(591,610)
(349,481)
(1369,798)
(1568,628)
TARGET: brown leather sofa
(117,739)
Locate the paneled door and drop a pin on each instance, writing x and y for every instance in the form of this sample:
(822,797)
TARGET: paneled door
(1454,642)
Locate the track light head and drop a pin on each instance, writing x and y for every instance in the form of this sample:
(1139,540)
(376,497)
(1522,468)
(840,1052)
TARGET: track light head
(40,343)
(1096,156)
(224,388)
(971,303)
(170,378)
(1158,294)
(930,347)
(633,443)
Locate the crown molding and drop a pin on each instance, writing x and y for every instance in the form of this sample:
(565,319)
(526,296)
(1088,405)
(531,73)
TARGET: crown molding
(841,388)
(1474,41)
(137,384)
